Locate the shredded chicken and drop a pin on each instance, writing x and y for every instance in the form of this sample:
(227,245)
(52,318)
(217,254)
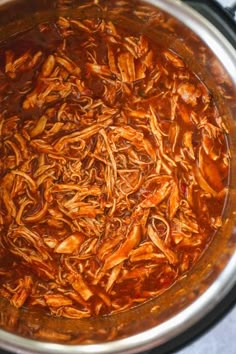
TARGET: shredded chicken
(113,170)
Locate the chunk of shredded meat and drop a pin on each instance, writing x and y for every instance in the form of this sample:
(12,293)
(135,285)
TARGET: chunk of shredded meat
(107,183)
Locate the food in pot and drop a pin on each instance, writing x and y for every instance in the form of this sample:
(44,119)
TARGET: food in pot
(113,171)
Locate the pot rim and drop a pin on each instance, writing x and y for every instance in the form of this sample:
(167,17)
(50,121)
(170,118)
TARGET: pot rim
(146,340)
(181,322)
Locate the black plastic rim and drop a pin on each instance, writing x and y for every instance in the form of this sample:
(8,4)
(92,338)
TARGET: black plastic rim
(222,18)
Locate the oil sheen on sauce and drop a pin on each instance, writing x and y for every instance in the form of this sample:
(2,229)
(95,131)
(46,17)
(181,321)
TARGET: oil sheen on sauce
(113,168)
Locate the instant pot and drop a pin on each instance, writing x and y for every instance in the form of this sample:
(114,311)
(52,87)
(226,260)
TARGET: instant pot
(196,24)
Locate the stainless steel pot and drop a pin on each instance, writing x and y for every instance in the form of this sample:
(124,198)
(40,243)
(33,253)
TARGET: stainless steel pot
(192,297)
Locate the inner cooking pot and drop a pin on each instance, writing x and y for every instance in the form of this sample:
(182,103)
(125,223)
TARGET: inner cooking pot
(155,322)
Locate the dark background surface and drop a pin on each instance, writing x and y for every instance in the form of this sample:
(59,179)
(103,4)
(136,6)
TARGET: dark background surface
(216,332)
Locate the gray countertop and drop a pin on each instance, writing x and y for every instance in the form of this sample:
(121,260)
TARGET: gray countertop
(220,338)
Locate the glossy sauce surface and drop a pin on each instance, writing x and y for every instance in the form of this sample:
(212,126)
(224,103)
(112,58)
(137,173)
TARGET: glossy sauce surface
(113,171)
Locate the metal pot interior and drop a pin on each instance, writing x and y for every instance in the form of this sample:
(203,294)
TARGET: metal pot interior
(192,296)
